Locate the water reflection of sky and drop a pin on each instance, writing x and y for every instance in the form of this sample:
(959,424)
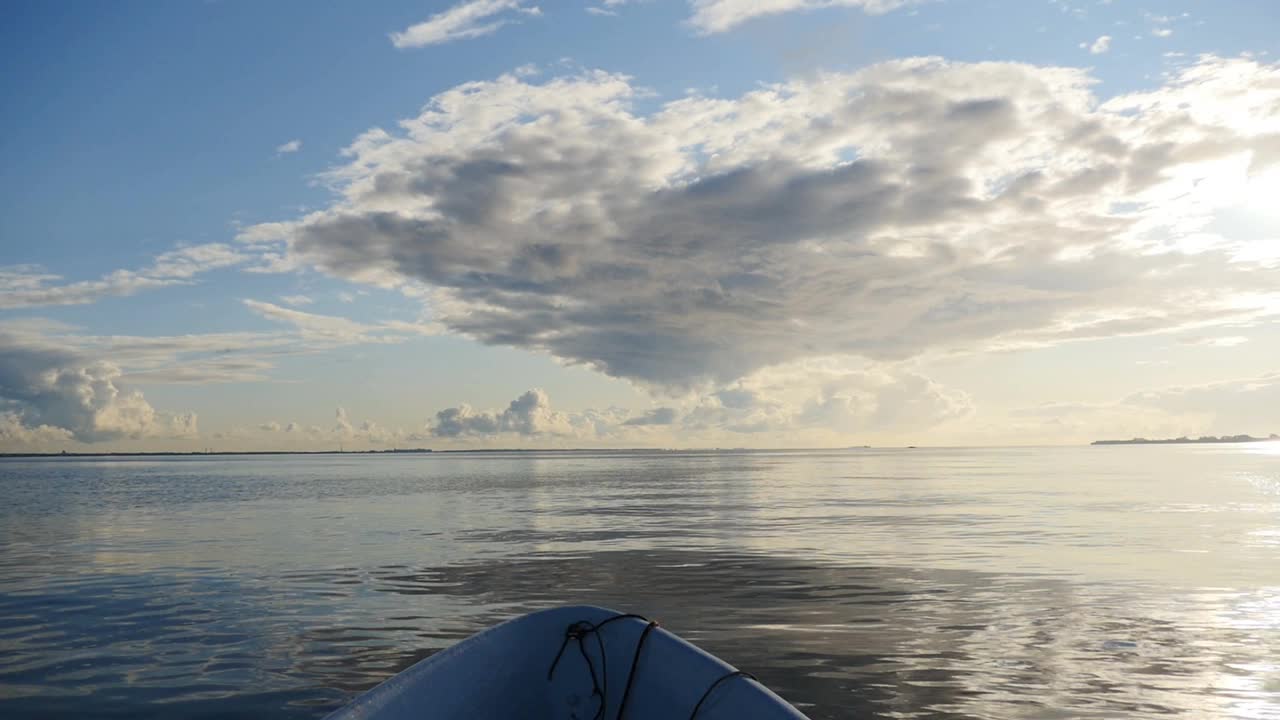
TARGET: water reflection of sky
(929,584)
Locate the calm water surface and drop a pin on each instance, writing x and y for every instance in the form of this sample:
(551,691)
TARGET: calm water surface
(1114,582)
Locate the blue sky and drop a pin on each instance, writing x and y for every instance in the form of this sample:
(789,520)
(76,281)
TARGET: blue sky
(510,223)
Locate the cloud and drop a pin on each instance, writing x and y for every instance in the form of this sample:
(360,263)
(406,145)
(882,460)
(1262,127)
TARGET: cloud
(17,437)
(209,358)
(342,426)
(829,394)
(187,370)
(1160,23)
(825,396)
(45,390)
(292,146)
(201,359)
(25,286)
(1221,341)
(1242,405)
(1230,407)
(528,415)
(296,300)
(466,20)
(714,16)
(331,330)
(910,207)
(345,433)
(608,8)
(186,359)
(657,416)
(1101,45)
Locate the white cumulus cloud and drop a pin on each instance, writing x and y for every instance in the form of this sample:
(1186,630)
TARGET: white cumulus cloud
(606,8)
(713,16)
(47,391)
(827,395)
(914,206)
(528,415)
(465,20)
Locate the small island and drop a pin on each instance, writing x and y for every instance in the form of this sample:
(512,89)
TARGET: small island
(1184,440)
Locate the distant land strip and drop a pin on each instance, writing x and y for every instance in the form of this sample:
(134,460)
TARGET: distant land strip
(1189,441)
(400,451)
(201,453)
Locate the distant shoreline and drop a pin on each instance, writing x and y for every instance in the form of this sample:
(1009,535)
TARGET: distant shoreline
(202,453)
(649,450)
(1205,439)
(417,451)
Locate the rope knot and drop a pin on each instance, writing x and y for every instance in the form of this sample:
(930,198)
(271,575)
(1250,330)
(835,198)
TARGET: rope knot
(578,630)
(599,682)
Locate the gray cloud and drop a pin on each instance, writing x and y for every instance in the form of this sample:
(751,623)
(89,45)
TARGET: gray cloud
(657,416)
(203,371)
(528,415)
(826,394)
(166,359)
(200,359)
(531,416)
(1228,407)
(15,436)
(1244,405)
(25,286)
(344,433)
(822,394)
(912,206)
(45,388)
(331,330)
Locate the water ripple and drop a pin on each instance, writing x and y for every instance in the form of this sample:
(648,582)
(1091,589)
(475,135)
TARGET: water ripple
(930,584)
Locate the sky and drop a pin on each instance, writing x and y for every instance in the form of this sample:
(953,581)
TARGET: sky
(236,225)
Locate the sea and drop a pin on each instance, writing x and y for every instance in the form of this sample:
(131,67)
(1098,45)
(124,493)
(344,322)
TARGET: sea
(1082,582)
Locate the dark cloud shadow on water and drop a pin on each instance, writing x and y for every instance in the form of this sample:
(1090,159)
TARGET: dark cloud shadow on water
(800,627)
(837,641)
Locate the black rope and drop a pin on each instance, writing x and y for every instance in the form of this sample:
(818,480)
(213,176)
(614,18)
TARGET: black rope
(599,683)
(568,635)
(635,662)
(577,631)
(714,685)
